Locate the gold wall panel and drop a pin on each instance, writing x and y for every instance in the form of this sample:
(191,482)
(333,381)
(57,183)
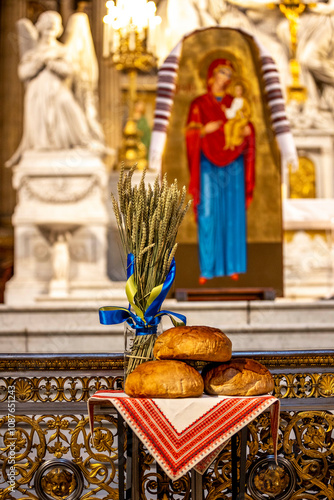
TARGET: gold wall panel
(312,233)
(264,214)
(302,183)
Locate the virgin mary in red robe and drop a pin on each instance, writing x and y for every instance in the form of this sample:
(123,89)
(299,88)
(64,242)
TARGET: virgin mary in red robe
(221,180)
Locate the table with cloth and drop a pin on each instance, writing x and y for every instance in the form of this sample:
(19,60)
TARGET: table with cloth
(188,434)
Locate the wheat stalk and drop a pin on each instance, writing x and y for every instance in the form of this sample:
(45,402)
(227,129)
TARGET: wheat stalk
(148,219)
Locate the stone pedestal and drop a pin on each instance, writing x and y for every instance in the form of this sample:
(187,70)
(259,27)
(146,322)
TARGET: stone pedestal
(309,248)
(60,228)
(309,223)
(318,146)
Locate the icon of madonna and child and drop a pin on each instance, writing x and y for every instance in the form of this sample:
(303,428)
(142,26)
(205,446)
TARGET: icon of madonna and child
(220,140)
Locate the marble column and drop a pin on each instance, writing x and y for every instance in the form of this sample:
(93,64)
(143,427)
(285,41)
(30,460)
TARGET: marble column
(11,98)
(66,9)
(111,108)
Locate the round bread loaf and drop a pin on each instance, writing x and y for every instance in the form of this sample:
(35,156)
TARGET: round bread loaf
(200,343)
(164,379)
(239,377)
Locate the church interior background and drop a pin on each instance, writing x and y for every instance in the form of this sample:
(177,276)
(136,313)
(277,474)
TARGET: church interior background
(306,268)
(60,258)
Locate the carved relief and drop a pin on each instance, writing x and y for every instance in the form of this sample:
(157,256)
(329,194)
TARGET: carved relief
(84,247)
(59,189)
(58,479)
(266,479)
(303,180)
(315,252)
(58,483)
(326,385)
(41,251)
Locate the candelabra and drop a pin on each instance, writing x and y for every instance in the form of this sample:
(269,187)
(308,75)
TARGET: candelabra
(292,10)
(129,42)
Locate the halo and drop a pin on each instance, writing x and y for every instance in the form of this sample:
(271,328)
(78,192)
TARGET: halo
(235,80)
(209,57)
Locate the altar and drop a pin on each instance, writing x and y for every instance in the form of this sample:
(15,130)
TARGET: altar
(52,391)
(184,434)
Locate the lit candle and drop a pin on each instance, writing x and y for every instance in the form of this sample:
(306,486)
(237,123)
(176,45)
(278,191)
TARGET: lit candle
(132,39)
(115,40)
(151,32)
(107,29)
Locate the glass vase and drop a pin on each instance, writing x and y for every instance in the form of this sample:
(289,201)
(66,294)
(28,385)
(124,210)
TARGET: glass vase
(138,345)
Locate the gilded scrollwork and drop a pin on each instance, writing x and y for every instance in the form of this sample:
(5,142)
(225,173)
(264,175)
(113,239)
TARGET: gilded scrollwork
(218,479)
(63,437)
(181,487)
(80,388)
(305,442)
(305,449)
(52,389)
(163,487)
(17,438)
(62,363)
(147,478)
(304,385)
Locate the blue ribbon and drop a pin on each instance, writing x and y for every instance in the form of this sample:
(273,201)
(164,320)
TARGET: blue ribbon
(112,315)
(130,265)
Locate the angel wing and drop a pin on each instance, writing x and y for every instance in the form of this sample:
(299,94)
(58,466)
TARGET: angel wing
(80,48)
(27,35)
(79,42)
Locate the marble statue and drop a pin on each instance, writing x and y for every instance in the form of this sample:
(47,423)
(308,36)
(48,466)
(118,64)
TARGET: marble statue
(315,54)
(61,258)
(181,17)
(59,173)
(60,104)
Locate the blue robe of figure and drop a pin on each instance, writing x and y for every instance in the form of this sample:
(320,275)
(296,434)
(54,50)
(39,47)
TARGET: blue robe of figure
(222,178)
(222,219)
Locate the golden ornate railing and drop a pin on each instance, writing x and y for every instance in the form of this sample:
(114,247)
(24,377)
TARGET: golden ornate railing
(46,451)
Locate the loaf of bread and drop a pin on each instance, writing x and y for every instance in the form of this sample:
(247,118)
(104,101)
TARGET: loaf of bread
(164,379)
(200,343)
(239,377)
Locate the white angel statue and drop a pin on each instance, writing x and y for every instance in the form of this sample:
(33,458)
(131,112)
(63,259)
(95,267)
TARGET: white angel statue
(60,104)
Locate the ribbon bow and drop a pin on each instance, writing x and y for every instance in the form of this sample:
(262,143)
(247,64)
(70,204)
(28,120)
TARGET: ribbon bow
(147,321)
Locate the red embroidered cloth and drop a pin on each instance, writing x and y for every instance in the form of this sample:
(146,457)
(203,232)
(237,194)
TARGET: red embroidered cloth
(182,434)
